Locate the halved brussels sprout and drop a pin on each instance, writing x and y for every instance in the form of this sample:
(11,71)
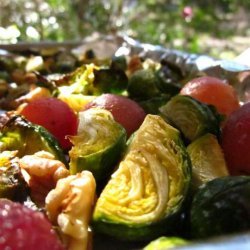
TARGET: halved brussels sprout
(27,138)
(165,243)
(221,206)
(98,145)
(12,183)
(207,159)
(190,116)
(89,79)
(146,193)
(80,81)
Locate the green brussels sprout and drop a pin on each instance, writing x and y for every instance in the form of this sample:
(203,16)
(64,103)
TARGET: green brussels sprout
(98,145)
(165,243)
(119,62)
(80,81)
(145,195)
(12,183)
(4,76)
(90,79)
(151,106)
(142,85)
(168,81)
(110,80)
(190,116)
(221,207)
(19,134)
(8,62)
(207,159)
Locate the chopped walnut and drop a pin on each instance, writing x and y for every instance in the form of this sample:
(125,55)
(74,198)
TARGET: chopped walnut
(42,171)
(70,206)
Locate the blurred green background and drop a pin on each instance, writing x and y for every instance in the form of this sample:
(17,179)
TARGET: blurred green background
(217,28)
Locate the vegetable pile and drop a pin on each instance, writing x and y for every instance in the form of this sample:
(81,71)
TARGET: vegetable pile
(126,150)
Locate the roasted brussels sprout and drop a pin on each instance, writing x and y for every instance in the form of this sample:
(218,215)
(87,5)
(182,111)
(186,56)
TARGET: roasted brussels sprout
(221,206)
(143,85)
(8,62)
(80,81)
(207,159)
(12,183)
(27,138)
(146,193)
(119,62)
(90,79)
(98,144)
(4,76)
(165,243)
(154,80)
(168,81)
(191,117)
(151,106)
(109,81)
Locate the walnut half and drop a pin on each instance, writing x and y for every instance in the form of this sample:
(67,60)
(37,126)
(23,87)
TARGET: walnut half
(69,206)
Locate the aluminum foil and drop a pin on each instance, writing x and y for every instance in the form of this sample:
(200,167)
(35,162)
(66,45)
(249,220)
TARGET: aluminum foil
(235,72)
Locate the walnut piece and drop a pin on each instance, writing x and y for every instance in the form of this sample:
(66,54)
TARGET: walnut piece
(69,206)
(42,171)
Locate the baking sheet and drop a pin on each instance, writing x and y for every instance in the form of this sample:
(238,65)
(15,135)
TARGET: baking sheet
(190,64)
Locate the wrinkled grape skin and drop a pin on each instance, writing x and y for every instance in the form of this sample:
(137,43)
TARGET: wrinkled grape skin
(54,115)
(125,111)
(22,228)
(236,141)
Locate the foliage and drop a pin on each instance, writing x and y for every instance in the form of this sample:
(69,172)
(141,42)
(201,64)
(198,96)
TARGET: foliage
(170,23)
